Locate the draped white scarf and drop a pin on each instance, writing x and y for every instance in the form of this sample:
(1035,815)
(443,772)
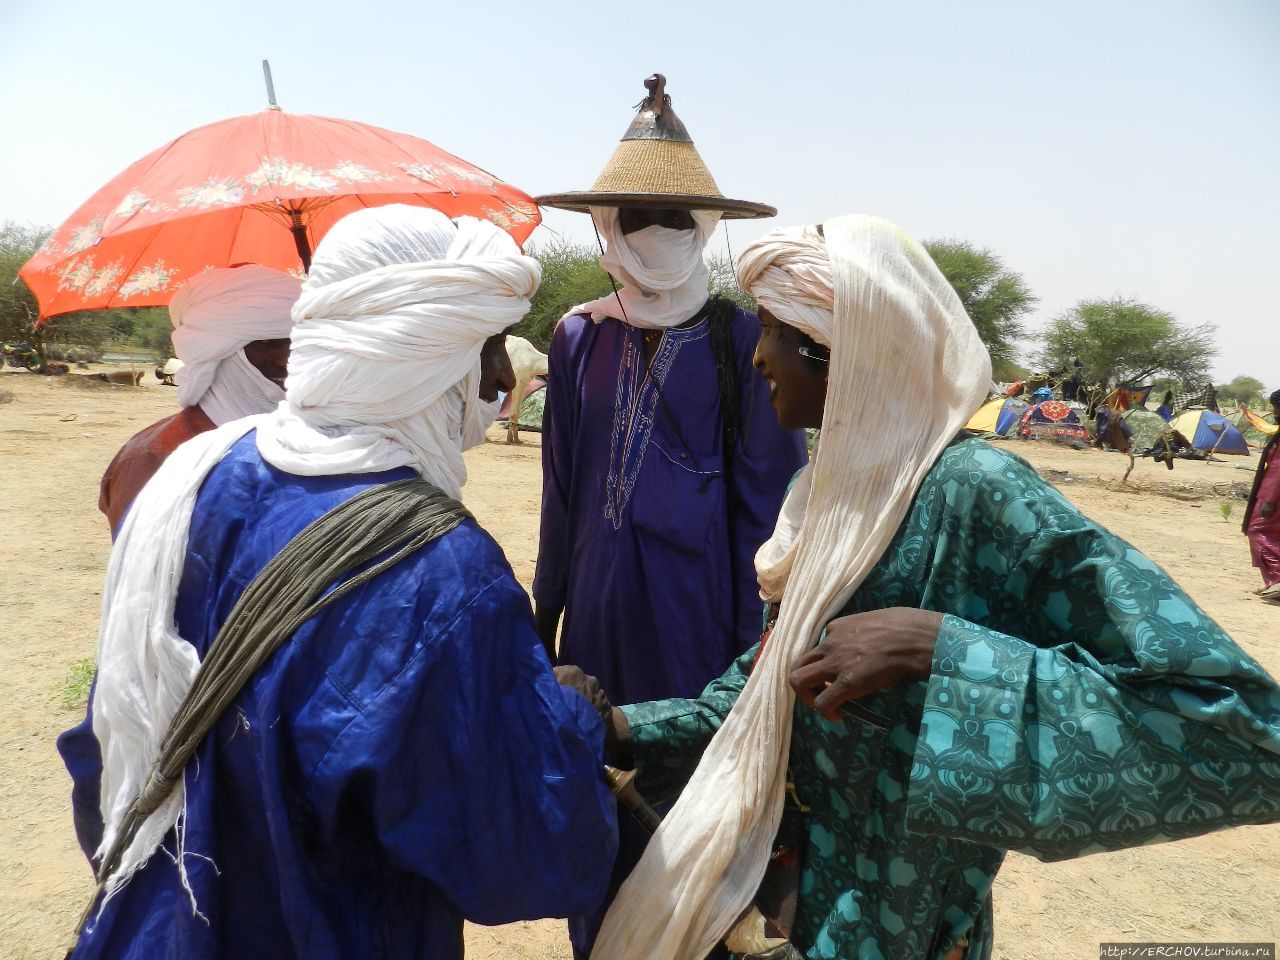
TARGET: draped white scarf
(897,328)
(384,373)
(662,273)
(215,315)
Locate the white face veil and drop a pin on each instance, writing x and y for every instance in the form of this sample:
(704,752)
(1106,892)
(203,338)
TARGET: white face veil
(384,373)
(895,327)
(661,272)
(215,316)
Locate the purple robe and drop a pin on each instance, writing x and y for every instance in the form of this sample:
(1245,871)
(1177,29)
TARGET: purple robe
(648,534)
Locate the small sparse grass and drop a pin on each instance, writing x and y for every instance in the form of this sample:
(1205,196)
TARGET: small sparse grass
(1225,509)
(74,692)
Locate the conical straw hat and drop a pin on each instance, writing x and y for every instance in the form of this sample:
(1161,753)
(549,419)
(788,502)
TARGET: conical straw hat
(656,165)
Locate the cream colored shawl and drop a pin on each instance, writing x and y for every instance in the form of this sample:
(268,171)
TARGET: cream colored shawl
(897,330)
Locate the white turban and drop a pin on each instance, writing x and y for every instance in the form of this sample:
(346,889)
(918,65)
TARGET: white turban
(384,373)
(661,271)
(385,368)
(215,315)
(895,328)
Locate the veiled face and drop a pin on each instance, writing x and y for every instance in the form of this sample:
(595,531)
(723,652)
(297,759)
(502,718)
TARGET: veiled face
(495,369)
(270,358)
(797,384)
(631,219)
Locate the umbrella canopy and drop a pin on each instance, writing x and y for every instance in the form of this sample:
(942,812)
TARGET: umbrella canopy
(262,188)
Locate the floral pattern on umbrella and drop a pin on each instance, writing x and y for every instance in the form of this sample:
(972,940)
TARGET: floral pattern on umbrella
(248,190)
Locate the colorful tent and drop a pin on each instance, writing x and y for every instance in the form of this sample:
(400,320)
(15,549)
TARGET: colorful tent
(1125,397)
(530,408)
(1146,426)
(1052,420)
(1210,432)
(997,416)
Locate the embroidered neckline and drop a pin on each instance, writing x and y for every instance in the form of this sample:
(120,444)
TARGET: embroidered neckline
(634,405)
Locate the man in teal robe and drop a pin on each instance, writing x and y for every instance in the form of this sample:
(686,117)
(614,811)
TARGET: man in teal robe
(1166,728)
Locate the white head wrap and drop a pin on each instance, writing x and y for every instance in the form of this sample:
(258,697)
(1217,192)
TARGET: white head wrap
(895,327)
(385,368)
(215,315)
(384,372)
(661,271)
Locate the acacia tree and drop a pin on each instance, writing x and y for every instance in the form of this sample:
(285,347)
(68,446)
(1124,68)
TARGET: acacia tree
(724,282)
(996,298)
(18,308)
(1120,340)
(146,327)
(1242,390)
(570,275)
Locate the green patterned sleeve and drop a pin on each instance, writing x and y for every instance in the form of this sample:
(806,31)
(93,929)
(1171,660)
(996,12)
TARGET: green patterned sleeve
(669,736)
(1103,710)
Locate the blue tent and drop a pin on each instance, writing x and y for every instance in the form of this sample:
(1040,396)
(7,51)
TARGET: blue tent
(997,416)
(1210,431)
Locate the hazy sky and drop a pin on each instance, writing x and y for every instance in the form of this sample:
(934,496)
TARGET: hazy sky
(1098,147)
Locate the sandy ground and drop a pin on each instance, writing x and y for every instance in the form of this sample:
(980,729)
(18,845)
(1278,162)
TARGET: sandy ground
(57,435)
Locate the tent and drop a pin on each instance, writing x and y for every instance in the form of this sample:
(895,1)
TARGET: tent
(530,409)
(1209,431)
(1255,430)
(1054,420)
(1146,427)
(997,416)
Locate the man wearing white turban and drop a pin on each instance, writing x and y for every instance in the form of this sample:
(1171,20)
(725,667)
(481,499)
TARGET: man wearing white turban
(960,663)
(405,758)
(231,332)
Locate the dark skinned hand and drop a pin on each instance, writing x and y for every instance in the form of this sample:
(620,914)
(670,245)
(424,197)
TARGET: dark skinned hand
(587,685)
(865,653)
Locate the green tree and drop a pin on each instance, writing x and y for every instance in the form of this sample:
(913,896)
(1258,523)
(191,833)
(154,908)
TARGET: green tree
(570,275)
(1242,390)
(724,282)
(1120,340)
(143,328)
(18,308)
(996,299)
(1007,371)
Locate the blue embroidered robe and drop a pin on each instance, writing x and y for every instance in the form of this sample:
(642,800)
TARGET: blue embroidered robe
(405,761)
(648,535)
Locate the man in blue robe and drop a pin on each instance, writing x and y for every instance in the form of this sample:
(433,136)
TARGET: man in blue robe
(663,464)
(406,759)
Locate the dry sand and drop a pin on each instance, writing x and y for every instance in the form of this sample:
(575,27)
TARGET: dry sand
(57,435)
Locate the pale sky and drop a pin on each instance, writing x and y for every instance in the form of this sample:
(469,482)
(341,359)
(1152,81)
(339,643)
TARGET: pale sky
(1098,147)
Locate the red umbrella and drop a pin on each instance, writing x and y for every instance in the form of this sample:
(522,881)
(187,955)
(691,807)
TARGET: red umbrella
(261,189)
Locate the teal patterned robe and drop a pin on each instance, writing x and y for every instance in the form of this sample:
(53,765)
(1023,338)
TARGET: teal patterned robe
(1079,702)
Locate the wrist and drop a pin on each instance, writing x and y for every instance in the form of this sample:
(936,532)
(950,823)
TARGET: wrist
(618,740)
(927,625)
